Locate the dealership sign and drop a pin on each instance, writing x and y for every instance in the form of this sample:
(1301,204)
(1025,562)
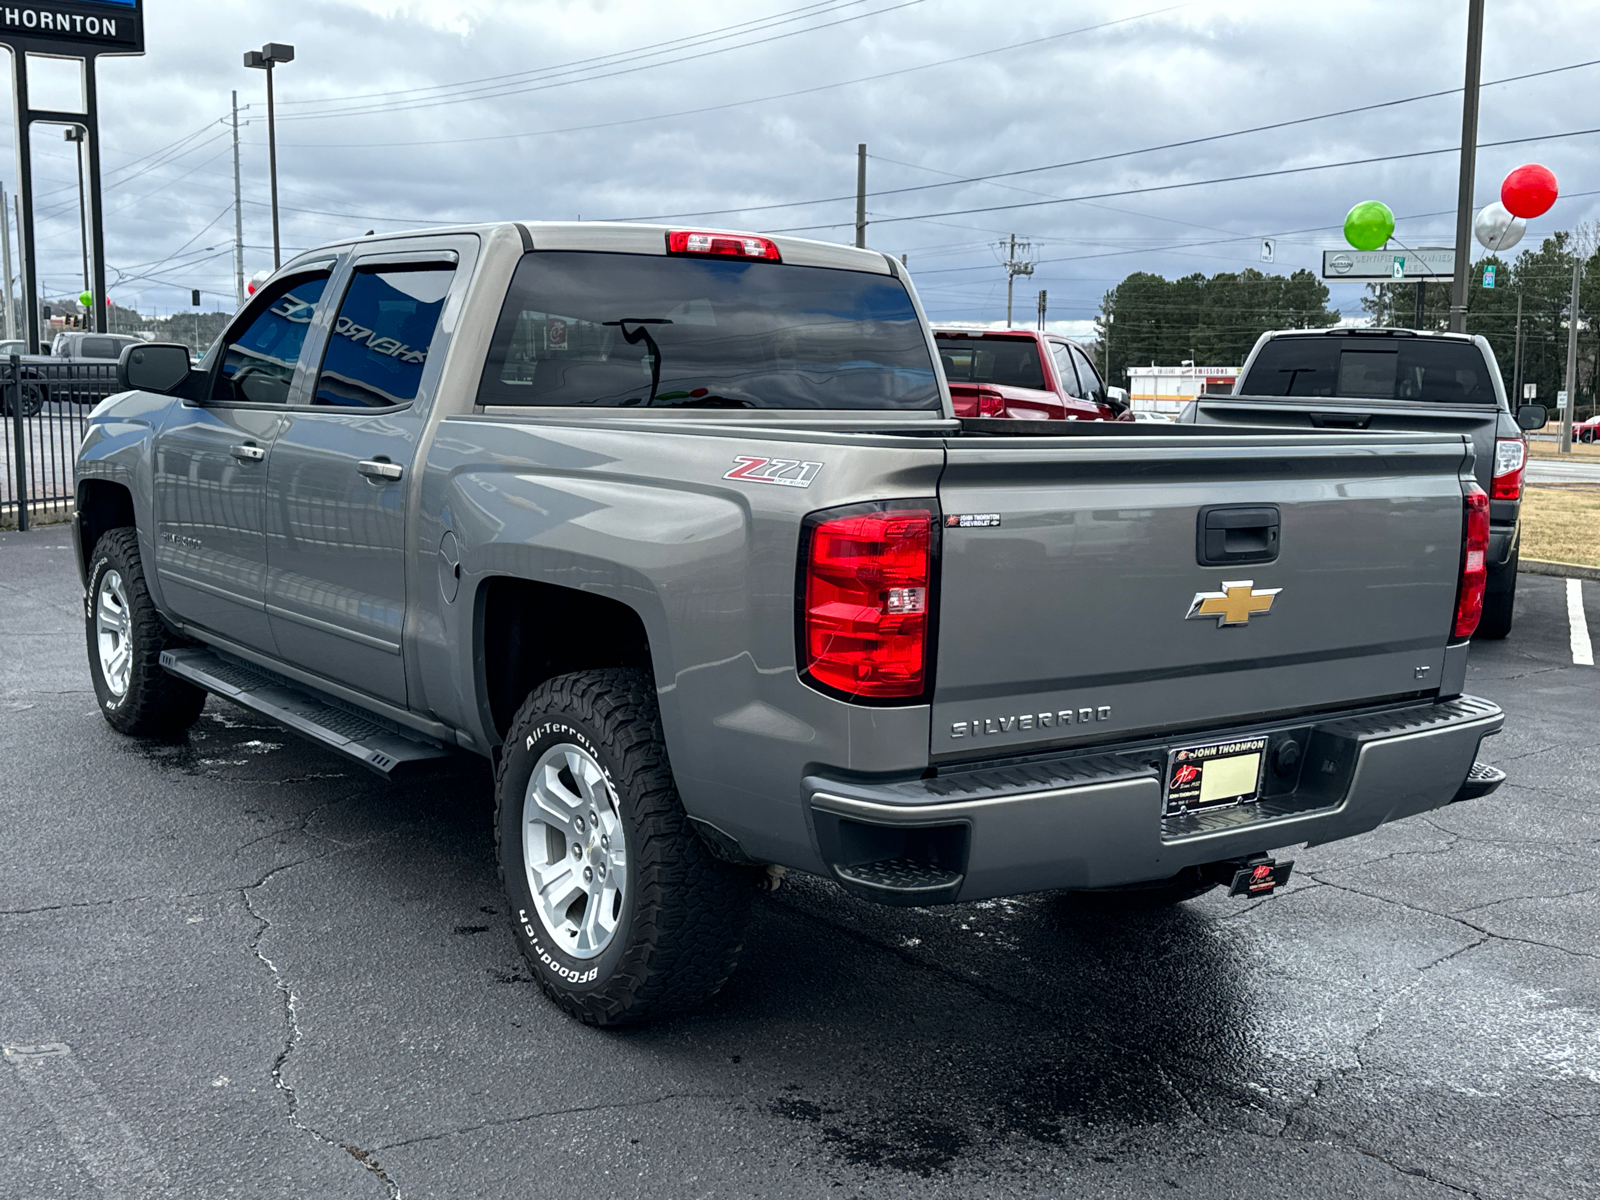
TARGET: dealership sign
(75,28)
(1393,265)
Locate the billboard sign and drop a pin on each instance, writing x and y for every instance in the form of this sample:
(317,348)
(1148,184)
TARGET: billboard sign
(73,28)
(1388,264)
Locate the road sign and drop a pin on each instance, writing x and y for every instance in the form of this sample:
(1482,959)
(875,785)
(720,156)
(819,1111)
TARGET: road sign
(1561,399)
(1530,390)
(1430,263)
(1269,247)
(1488,276)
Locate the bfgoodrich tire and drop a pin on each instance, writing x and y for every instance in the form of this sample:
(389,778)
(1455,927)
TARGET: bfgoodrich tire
(126,637)
(619,908)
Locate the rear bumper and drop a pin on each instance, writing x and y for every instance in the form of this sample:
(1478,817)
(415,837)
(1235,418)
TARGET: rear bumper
(1093,821)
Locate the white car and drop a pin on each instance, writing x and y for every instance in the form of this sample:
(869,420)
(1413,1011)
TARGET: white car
(1143,415)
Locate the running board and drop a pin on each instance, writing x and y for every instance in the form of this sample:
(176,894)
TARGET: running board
(381,749)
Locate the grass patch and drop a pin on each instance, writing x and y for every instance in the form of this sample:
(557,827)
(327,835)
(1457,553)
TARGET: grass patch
(1561,523)
(1553,450)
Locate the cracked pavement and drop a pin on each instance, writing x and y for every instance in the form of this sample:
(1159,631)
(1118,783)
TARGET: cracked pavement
(234,967)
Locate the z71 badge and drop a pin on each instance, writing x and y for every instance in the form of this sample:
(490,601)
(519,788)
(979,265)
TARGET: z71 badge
(785,472)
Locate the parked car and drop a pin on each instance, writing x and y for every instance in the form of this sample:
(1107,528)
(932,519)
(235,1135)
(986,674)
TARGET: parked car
(680,530)
(1025,374)
(1386,380)
(1153,417)
(1584,431)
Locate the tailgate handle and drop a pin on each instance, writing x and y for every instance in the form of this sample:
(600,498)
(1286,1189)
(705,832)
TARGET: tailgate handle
(1237,535)
(1341,420)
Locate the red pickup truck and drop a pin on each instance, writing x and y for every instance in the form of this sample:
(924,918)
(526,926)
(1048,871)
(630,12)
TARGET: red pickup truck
(1025,374)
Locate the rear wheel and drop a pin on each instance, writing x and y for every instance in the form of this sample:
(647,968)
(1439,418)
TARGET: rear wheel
(1498,606)
(618,906)
(126,637)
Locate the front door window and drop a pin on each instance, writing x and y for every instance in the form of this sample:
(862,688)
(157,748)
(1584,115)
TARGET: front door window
(258,365)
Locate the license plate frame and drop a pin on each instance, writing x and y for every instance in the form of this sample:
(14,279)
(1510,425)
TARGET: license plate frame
(1233,782)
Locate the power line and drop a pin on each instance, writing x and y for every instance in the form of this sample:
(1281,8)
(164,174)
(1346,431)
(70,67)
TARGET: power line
(1169,187)
(654,49)
(523,90)
(1100,158)
(690,112)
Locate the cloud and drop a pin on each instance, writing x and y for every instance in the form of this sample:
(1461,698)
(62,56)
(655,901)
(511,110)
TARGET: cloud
(619,108)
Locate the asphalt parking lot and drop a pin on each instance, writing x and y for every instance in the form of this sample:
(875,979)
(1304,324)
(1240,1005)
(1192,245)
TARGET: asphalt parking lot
(231,967)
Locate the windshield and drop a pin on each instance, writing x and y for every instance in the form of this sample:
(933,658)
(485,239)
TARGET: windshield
(1371,368)
(1009,361)
(622,330)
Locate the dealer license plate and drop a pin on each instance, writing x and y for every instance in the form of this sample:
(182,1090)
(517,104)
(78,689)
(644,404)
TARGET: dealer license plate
(1215,775)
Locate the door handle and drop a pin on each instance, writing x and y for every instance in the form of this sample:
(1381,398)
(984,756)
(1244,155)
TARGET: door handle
(378,468)
(249,452)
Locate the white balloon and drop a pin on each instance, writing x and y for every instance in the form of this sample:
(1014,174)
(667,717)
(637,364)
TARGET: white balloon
(1496,229)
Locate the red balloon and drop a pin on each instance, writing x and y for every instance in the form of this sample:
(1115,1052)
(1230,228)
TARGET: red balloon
(1529,191)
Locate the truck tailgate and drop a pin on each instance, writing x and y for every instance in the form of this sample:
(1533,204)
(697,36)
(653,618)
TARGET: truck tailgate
(1071,567)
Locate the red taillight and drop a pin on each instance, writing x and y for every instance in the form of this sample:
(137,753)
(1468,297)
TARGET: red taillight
(722,245)
(1474,564)
(1510,457)
(865,608)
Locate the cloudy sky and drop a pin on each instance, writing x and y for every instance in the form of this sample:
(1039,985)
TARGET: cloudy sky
(399,114)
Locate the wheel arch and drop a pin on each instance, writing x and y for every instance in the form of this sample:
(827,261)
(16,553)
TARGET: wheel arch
(102,506)
(513,651)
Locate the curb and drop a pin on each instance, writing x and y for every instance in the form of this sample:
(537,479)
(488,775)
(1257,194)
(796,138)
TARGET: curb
(1534,566)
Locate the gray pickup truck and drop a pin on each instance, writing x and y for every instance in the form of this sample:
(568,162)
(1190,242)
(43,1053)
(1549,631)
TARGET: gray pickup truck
(679,529)
(1386,380)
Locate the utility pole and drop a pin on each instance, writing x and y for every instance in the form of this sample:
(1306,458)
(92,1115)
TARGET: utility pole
(1469,159)
(1015,267)
(1516,361)
(1572,361)
(861,195)
(238,211)
(5,264)
(1042,302)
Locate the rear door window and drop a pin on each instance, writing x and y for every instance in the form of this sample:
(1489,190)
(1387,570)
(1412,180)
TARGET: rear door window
(380,339)
(1008,361)
(1061,355)
(630,330)
(1375,368)
(258,365)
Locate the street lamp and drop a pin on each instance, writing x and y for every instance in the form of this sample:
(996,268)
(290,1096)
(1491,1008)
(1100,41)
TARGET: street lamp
(74,133)
(265,59)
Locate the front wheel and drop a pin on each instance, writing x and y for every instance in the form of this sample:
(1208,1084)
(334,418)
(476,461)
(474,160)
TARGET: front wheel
(126,637)
(618,906)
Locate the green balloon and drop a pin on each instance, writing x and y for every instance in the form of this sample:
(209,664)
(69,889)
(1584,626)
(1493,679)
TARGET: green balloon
(86,298)
(1369,225)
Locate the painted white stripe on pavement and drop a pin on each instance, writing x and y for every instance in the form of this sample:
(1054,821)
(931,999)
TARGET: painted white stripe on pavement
(1582,651)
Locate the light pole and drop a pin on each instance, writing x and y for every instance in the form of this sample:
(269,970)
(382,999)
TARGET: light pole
(265,59)
(74,133)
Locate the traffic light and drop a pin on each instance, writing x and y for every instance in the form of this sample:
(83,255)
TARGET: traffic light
(194,297)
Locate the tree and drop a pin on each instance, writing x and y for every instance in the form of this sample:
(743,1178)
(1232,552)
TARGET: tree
(1150,319)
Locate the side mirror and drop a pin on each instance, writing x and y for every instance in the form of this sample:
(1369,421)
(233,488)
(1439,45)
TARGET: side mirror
(1117,398)
(158,367)
(1532,416)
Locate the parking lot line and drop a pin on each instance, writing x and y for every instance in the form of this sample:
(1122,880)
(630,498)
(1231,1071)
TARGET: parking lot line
(1582,651)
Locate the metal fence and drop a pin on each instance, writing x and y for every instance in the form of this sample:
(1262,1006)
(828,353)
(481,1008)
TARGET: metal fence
(45,407)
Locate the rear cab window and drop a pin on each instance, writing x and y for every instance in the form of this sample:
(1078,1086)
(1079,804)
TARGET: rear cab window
(1006,361)
(604,330)
(1372,368)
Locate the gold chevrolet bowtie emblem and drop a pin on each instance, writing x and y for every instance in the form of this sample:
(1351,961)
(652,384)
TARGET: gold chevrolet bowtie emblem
(1235,604)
